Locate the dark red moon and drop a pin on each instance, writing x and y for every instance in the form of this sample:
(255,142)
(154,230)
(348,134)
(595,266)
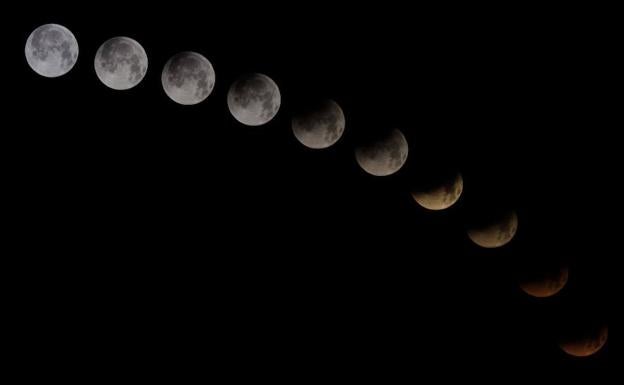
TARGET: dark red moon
(586,345)
(546,284)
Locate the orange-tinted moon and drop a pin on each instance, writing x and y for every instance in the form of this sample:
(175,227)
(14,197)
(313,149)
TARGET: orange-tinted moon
(497,233)
(442,196)
(586,346)
(545,286)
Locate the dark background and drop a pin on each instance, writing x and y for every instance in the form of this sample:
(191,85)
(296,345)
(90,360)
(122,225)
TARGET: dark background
(147,231)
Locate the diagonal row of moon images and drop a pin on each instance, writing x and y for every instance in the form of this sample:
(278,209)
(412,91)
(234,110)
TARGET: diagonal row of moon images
(188,78)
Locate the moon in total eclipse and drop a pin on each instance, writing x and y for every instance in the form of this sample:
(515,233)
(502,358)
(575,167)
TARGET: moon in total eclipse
(320,126)
(254,99)
(496,233)
(385,156)
(188,78)
(51,50)
(120,63)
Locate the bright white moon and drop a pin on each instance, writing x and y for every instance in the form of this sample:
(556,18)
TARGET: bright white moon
(51,50)
(188,78)
(120,63)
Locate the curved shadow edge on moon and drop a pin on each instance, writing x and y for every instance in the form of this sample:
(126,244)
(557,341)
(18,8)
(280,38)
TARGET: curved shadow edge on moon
(51,50)
(385,156)
(585,347)
(440,197)
(321,126)
(254,99)
(120,63)
(188,78)
(546,286)
(495,234)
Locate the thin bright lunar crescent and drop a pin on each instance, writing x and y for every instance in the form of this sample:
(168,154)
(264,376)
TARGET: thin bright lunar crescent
(321,126)
(120,63)
(585,347)
(496,234)
(385,156)
(51,50)
(442,196)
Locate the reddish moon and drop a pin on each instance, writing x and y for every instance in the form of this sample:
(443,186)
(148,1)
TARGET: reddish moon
(587,345)
(545,285)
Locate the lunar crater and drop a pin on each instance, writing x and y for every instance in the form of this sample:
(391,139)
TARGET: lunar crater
(51,50)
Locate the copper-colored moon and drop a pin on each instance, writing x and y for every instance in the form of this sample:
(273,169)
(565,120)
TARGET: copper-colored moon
(586,346)
(442,196)
(545,286)
(496,234)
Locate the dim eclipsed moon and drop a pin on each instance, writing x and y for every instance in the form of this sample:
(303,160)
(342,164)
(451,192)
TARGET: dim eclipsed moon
(254,99)
(120,63)
(497,233)
(51,50)
(321,126)
(441,196)
(545,284)
(385,156)
(188,78)
(587,345)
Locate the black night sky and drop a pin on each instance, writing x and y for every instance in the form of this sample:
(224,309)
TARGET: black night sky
(147,231)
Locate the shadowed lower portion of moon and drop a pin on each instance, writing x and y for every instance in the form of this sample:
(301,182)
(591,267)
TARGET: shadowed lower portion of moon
(498,232)
(442,195)
(120,63)
(188,78)
(51,50)
(587,344)
(254,99)
(545,283)
(320,126)
(385,156)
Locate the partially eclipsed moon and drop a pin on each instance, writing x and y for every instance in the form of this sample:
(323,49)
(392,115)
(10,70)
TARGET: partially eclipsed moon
(254,99)
(120,63)
(497,233)
(188,78)
(442,196)
(321,126)
(51,50)
(545,284)
(385,156)
(587,345)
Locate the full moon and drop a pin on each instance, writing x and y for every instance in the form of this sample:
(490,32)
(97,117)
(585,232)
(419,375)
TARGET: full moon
(254,99)
(441,196)
(120,63)
(545,284)
(497,233)
(51,50)
(188,78)
(385,156)
(321,126)
(586,345)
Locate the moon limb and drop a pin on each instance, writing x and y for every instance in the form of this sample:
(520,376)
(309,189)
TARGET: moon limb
(121,63)
(188,78)
(548,286)
(442,196)
(587,346)
(496,234)
(385,156)
(51,50)
(320,127)
(254,99)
